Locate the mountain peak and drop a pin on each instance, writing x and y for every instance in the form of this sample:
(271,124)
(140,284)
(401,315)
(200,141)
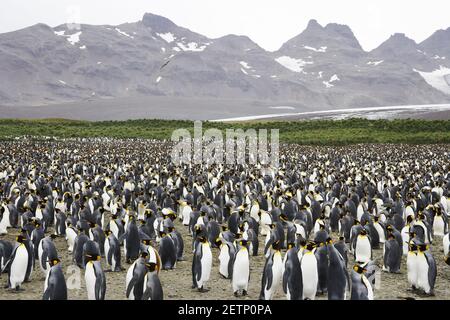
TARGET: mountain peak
(313,24)
(157,23)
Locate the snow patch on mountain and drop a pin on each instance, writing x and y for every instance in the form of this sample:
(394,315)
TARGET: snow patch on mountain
(245,64)
(375,63)
(438,79)
(191,46)
(124,33)
(168,37)
(74,38)
(321,49)
(292,64)
(328,84)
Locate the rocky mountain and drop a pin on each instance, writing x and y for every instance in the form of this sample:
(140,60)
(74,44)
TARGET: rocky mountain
(324,66)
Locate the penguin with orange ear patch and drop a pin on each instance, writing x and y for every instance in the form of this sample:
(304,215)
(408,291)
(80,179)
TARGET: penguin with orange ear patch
(153,289)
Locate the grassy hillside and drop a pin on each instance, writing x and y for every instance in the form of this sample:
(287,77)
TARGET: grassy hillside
(320,132)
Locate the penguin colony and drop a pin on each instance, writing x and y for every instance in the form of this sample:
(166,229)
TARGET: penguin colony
(323,225)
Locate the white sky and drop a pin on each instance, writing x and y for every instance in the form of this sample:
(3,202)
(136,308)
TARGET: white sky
(269,23)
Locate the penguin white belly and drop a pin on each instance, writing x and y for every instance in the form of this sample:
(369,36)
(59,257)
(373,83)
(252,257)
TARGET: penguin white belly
(380,232)
(70,237)
(310,275)
(200,220)
(224,259)
(405,240)
(186,215)
(241,271)
(276,276)
(19,266)
(46,281)
(446,243)
(408,212)
(114,228)
(40,252)
(90,279)
(206,262)
(128,278)
(368,286)
(422,272)
(359,212)
(438,226)
(363,249)
(411,264)
(4,224)
(106,250)
(152,255)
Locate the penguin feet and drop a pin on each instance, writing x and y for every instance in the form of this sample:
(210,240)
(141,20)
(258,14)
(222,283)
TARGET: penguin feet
(203,290)
(236,293)
(244,292)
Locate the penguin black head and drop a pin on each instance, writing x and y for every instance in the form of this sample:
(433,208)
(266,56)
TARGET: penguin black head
(341,238)
(54,262)
(218,242)
(290,245)
(422,247)
(363,232)
(20,239)
(243,242)
(310,246)
(412,247)
(144,254)
(108,232)
(92,257)
(283,217)
(276,245)
(162,234)
(224,228)
(329,241)
(146,242)
(152,266)
(359,269)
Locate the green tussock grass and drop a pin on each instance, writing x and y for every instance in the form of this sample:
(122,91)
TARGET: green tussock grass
(313,132)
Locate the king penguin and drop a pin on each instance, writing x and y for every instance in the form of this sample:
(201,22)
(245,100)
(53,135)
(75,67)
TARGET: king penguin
(152,285)
(292,275)
(426,270)
(17,264)
(310,273)
(226,256)
(392,255)
(361,289)
(55,287)
(273,272)
(112,252)
(94,275)
(338,278)
(241,269)
(201,264)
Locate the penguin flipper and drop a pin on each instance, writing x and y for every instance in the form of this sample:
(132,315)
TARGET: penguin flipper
(147,293)
(431,270)
(198,264)
(286,275)
(112,250)
(99,284)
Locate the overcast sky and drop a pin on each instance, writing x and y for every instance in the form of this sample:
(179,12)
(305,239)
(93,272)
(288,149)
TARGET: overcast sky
(269,23)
